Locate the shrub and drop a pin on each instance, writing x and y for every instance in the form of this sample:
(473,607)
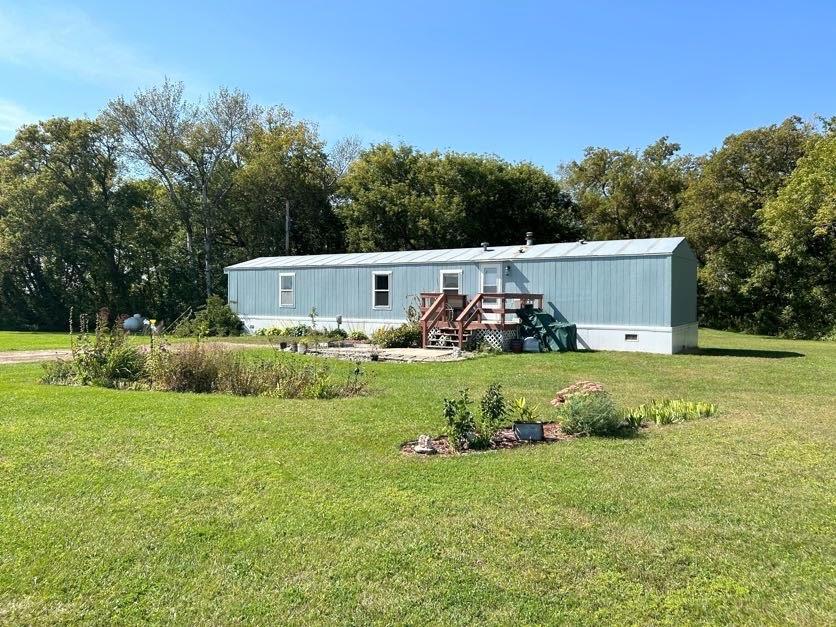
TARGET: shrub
(193,368)
(494,408)
(58,372)
(215,318)
(590,414)
(467,429)
(460,420)
(198,368)
(358,336)
(336,334)
(666,412)
(405,336)
(271,332)
(491,418)
(104,359)
(579,387)
(485,347)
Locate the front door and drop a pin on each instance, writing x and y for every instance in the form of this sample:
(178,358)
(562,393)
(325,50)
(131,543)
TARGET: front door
(491,283)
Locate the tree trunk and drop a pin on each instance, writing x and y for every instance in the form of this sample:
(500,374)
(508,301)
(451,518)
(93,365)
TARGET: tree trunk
(207,257)
(207,243)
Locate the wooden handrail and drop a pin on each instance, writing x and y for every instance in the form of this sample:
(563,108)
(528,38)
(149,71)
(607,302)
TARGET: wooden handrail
(431,316)
(470,306)
(465,317)
(437,304)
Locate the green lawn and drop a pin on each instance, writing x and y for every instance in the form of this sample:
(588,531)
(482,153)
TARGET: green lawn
(44,340)
(32,340)
(143,506)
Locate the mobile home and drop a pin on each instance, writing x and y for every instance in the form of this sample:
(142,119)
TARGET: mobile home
(627,295)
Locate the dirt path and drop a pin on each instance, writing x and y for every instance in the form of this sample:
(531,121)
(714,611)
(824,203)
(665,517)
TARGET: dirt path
(361,353)
(22,357)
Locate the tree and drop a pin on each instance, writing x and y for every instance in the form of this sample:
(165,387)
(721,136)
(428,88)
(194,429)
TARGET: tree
(283,160)
(624,194)
(740,280)
(800,227)
(73,232)
(399,198)
(191,149)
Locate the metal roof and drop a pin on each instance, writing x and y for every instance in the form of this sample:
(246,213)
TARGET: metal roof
(605,248)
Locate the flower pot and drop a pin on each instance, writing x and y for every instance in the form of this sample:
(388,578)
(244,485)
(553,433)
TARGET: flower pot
(374,356)
(294,346)
(529,431)
(516,345)
(283,345)
(303,348)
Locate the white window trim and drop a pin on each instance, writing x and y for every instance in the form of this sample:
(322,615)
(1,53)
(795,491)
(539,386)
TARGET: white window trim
(388,291)
(482,268)
(292,290)
(441,274)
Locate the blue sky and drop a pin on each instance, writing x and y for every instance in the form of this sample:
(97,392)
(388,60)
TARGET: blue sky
(535,81)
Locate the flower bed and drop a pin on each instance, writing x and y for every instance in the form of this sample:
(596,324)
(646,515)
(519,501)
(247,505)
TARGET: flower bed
(502,439)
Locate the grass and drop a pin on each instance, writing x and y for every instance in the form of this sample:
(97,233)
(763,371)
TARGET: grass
(46,340)
(32,340)
(141,506)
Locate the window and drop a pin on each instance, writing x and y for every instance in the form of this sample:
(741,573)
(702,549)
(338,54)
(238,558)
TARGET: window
(286,290)
(491,280)
(381,290)
(631,337)
(451,281)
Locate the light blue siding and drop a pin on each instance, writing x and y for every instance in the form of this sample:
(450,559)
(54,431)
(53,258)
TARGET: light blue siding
(642,290)
(345,291)
(683,286)
(605,291)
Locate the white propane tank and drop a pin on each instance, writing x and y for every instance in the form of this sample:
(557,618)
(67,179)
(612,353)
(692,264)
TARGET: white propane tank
(531,345)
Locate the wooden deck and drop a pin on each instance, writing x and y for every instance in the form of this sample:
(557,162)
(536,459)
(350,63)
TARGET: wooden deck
(462,315)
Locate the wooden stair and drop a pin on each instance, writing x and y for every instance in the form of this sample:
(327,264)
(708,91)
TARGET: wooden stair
(446,337)
(451,320)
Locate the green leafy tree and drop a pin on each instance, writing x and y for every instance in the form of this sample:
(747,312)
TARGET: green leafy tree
(192,149)
(740,279)
(625,194)
(397,197)
(73,232)
(800,226)
(283,160)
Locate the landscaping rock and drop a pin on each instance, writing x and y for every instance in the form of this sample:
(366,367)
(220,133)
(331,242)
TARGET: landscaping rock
(425,445)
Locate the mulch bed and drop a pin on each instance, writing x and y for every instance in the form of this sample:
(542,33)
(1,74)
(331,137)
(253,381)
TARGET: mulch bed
(504,439)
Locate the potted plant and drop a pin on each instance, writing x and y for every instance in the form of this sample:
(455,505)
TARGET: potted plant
(527,425)
(303,347)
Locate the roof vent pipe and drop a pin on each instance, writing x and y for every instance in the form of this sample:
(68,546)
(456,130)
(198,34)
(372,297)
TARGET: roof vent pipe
(485,246)
(529,238)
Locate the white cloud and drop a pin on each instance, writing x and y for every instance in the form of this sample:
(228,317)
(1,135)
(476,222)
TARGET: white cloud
(67,42)
(12,117)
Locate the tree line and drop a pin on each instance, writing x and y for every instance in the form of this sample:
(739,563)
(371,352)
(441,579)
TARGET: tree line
(141,208)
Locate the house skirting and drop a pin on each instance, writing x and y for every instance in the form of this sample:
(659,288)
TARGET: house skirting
(666,340)
(366,325)
(643,339)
